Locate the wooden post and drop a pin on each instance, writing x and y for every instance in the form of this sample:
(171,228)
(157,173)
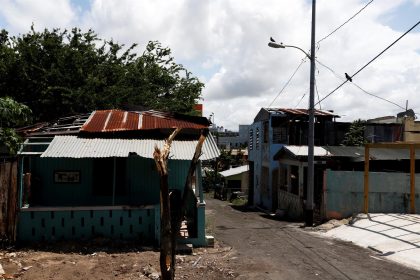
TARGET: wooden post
(412,180)
(21,162)
(366,180)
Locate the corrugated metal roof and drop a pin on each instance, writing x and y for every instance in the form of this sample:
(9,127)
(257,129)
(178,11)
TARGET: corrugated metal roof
(303,151)
(75,147)
(119,120)
(358,153)
(235,171)
(303,112)
(355,153)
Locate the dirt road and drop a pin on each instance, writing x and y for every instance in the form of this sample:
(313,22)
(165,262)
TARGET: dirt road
(270,249)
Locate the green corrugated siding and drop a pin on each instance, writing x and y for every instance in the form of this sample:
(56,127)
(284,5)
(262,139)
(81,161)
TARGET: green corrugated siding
(142,182)
(48,193)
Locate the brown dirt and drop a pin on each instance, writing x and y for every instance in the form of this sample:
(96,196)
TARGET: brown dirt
(67,261)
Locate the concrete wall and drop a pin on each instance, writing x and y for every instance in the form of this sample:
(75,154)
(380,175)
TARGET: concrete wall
(388,193)
(52,224)
(411,130)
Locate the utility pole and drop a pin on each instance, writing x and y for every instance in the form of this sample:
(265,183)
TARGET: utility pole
(309,207)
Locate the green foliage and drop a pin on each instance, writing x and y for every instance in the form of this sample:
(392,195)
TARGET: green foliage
(355,135)
(211,179)
(226,159)
(58,73)
(12,114)
(240,201)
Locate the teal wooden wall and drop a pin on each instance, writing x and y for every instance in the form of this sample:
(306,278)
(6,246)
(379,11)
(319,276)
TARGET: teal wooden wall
(142,182)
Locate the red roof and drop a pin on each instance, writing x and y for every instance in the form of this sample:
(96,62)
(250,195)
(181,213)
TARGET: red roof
(119,120)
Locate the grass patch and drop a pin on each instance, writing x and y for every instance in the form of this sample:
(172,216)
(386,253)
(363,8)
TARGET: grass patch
(240,201)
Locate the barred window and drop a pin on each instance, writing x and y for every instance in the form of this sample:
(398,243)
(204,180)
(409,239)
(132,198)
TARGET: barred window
(251,139)
(280,135)
(257,140)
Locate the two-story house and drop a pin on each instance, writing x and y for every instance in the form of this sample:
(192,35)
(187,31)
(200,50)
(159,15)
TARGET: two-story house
(271,130)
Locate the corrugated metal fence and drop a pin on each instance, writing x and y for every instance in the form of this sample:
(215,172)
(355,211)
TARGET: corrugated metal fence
(8,200)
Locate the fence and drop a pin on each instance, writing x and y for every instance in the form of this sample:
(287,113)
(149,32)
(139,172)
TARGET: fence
(8,200)
(388,193)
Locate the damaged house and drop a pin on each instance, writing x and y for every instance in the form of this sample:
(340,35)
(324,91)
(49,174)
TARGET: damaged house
(94,175)
(271,130)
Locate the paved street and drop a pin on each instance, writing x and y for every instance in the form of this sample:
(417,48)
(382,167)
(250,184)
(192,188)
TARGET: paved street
(263,248)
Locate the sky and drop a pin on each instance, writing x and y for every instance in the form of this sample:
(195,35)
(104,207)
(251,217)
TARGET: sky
(224,44)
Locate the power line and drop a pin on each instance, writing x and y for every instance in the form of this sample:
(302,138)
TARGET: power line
(373,59)
(356,85)
(304,60)
(317,93)
(335,30)
(288,81)
(303,96)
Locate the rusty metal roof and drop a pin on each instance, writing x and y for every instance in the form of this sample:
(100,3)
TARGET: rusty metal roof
(75,147)
(303,112)
(119,120)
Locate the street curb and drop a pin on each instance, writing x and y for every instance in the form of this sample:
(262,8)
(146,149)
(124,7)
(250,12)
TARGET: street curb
(375,250)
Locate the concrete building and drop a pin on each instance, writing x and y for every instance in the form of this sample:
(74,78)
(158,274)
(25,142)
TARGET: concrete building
(271,130)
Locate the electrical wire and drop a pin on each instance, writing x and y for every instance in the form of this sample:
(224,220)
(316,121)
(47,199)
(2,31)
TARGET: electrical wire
(304,59)
(303,96)
(335,30)
(373,59)
(288,81)
(317,93)
(356,85)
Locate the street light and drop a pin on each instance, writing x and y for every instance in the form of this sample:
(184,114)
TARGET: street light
(309,207)
(281,46)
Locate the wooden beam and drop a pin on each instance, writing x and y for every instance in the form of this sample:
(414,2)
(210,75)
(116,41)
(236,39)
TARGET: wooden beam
(366,181)
(412,180)
(405,145)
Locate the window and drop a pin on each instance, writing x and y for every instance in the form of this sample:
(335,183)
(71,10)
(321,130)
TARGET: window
(251,139)
(280,135)
(257,140)
(265,132)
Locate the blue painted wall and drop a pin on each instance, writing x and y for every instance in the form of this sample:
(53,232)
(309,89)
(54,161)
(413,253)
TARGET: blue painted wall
(262,156)
(388,193)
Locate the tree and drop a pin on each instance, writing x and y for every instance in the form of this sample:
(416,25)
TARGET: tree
(355,135)
(170,226)
(167,233)
(58,73)
(12,114)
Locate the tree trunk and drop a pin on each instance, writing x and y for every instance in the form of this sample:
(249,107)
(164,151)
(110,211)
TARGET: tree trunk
(167,242)
(168,229)
(188,191)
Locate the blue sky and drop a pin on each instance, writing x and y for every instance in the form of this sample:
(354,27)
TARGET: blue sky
(224,43)
(403,17)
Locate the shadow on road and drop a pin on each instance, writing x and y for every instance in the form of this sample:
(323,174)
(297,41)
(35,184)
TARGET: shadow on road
(244,208)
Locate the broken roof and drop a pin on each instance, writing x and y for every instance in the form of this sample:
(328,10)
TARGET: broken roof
(264,113)
(114,121)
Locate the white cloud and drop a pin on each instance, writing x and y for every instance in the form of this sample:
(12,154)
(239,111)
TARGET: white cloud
(225,42)
(20,14)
